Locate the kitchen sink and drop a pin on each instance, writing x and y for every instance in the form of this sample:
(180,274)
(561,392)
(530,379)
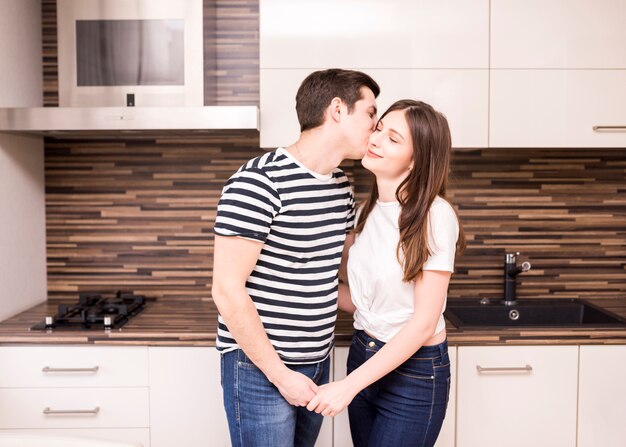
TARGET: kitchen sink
(530,313)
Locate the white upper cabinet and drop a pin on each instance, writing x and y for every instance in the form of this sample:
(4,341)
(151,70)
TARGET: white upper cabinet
(461,95)
(558,108)
(436,51)
(374,34)
(558,71)
(558,34)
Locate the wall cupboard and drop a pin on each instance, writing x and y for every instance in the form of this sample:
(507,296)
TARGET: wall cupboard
(506,73)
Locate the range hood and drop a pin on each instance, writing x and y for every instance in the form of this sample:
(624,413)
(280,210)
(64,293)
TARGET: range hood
(66,120)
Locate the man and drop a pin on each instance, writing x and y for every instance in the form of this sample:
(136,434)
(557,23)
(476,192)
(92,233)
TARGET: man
(279,233)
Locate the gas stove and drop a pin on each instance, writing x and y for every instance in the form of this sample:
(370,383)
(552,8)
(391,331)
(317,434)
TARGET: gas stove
(95,311)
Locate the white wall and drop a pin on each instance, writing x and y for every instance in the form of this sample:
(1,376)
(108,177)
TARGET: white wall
(22,192)
(20,53)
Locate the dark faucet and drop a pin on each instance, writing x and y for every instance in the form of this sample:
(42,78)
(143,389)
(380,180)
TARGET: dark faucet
(511,270)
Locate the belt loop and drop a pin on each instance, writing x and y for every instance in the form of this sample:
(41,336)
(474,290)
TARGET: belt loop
(441,349)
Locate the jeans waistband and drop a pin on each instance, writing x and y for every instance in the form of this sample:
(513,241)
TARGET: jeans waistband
(424,351)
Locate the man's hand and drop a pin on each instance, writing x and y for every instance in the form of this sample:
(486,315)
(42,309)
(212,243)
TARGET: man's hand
(333,398)
(295,387)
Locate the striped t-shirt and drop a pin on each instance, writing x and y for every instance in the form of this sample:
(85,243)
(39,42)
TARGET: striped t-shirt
(302,219)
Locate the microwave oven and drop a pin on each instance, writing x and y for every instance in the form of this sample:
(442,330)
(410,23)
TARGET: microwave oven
(116,53)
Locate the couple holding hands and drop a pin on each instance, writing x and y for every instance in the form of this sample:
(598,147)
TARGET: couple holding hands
(291,246)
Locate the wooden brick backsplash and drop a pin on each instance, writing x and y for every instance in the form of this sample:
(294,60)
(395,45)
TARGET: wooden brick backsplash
(564,210)
(138,214)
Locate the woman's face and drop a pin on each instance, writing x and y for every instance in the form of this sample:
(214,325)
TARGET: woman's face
(390,149)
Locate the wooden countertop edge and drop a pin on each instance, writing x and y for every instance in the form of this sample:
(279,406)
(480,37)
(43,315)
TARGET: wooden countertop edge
(208,340)
(169,323)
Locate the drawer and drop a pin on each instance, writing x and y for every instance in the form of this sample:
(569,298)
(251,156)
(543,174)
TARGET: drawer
(129,435)
(100,407)
(73,366)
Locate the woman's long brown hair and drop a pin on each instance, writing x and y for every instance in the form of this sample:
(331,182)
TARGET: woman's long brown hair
(432,149)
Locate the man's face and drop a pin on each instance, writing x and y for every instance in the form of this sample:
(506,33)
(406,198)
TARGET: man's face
(360,124)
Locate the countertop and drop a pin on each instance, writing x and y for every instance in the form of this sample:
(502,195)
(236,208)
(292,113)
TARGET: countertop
(193,323)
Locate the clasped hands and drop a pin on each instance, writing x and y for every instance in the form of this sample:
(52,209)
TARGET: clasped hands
(327,400)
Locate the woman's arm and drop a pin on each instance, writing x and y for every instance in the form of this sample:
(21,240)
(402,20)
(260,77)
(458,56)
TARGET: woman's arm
(344,301)
(430,295)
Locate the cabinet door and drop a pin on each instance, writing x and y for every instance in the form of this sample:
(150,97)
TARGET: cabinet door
(140,436)
(74,366)
(186,404)
(448,430)
(558,34)
(122,407)
(325,437)
(602,396)
(517,396)
(342,426)
(462,95)
(557,108)
(374,34)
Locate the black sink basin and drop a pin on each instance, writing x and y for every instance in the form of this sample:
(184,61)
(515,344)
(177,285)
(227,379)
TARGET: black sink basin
(530,313)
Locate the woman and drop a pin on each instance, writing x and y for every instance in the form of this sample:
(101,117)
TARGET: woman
(399,264)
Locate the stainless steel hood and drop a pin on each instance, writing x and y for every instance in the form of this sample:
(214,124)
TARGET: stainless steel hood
(50,120)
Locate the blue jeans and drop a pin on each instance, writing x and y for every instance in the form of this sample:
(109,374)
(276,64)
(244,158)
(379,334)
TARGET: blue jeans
(407,406)
(257,413)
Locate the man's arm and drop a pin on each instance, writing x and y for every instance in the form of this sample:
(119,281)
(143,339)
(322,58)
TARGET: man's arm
(233,261)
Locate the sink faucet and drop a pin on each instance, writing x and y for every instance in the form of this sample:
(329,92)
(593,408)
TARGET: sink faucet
(511,270)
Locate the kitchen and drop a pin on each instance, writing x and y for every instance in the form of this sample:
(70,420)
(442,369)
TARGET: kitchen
(92,210)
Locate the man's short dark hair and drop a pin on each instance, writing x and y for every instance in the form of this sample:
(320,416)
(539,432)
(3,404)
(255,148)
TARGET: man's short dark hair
(320,87)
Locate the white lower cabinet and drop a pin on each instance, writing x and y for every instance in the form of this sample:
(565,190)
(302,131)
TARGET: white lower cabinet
(341,425)
(517,396)
(500,395)
(341,430)
(448,430)
(74,408)
(139,436)
(94,392)
(186,404)
(602,396)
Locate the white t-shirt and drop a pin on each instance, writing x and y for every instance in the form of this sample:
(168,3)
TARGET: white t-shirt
(384,303)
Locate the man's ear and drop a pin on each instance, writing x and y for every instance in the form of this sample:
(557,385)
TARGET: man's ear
(335,109)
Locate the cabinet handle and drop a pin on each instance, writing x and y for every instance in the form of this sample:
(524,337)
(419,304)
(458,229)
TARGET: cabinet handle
(609,128)
(526,368)
(49,410)
(48,369)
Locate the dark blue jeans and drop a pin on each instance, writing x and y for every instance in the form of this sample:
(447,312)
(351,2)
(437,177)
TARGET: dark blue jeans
(257,413)
(407,406)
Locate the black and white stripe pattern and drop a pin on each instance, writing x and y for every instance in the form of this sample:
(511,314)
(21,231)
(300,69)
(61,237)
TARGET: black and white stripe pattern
(302,219)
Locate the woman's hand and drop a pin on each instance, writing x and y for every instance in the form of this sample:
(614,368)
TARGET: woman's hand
(333,398)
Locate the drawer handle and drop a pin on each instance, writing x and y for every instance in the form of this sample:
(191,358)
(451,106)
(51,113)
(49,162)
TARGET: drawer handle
(49,410)
(526,368)
(48,369)
(609,128)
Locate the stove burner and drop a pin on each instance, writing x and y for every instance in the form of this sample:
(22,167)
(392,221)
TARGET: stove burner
(94,311)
